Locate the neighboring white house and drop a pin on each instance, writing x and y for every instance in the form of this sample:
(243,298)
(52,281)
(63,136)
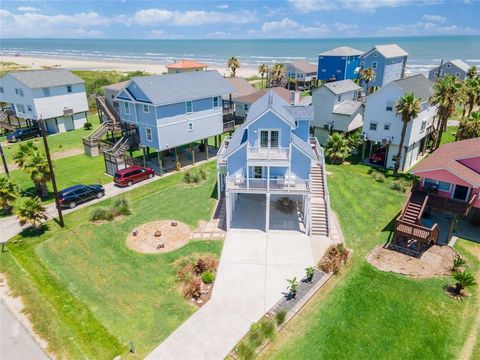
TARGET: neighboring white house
(382,126)
(336,107)
(302,71)
(457,67)
(56,96)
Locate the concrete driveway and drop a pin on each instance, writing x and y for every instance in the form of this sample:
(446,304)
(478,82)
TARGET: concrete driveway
(251,278)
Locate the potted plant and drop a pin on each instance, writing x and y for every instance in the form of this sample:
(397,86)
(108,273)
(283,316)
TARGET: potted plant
(309,271)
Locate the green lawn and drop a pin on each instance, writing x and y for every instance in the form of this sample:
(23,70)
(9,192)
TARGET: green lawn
(368,314)
(57,142)
(449,135)
(88,294)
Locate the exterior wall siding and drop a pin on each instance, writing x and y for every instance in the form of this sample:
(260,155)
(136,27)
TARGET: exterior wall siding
(300,164)
(452,70)
(303,130)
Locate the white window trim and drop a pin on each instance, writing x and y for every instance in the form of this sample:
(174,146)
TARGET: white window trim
(269,136)
(147,130)
(370,125)
(145,106)
(190,126)
(387,124)
(126,107)
(454,188)
(186,107)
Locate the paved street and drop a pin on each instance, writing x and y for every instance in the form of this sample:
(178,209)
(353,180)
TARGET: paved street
(15,341)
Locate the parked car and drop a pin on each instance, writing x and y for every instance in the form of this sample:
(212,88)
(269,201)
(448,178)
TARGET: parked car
(378,157)
(23,134)
(74,195)
(132,174)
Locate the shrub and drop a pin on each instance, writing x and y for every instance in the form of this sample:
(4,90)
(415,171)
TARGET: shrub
(193,288)
(280,317)
(458,262)
(400,186)
(267,327)
(292,287)
(88,126)
(188,176)
(208,277)
(255,335)
(195,178)
(202,174)
(121,206)
(378,176)
(195,265)
(463,280)
(101,214)
(334,258)
(309,272)
(245,351)
(210,261)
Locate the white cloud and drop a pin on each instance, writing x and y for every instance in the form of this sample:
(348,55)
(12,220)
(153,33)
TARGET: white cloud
(289,28)
(426,28)
(222,6)
(39,25)
(219,35)
(434,18)
(306,6)
(191,17)
(285,24)
(28,9)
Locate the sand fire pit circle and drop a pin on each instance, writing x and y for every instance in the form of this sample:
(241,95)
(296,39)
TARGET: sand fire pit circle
(158,237)
(436,261)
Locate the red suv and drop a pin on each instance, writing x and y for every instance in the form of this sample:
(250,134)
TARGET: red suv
(131,175)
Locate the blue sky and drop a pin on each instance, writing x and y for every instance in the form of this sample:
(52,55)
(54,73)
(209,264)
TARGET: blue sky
(237,19)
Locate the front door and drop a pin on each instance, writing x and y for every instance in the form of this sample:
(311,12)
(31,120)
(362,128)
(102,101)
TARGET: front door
(460,192)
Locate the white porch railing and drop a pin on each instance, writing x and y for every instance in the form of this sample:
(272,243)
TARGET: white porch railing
(268,153)
(272,185)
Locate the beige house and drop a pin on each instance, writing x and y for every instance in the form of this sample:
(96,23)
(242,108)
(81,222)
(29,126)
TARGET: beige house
(185,66)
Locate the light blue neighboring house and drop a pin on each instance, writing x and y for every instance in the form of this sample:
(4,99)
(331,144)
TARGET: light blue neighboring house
(340,63)
(168,111)
(388,61)
(273,157)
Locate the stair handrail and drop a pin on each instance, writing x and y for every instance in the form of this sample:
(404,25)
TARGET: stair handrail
(422,209)
(119,144)
(106,108)
(98,129)
(470,204)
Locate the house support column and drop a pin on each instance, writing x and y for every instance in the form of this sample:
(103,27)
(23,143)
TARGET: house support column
(267,213)
(218,185)
(206,147)
(192,150)
(364,147)
(160,162)
(216,140)
(228,210)
(144,157)
(177,159)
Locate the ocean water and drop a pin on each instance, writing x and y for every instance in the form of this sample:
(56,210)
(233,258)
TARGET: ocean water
(424,52)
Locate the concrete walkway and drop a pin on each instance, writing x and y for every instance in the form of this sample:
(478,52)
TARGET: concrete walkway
(251,279)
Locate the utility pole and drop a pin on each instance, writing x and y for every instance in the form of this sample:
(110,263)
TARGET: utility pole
(4,161)
(52,174)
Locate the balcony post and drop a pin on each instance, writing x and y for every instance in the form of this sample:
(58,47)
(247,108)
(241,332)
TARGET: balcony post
(267,213)
(268,178)
(248,178)
(228,209)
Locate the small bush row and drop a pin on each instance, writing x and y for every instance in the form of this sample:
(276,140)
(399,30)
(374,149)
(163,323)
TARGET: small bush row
(334,258)
(194,271)
(259,332)
(119,207)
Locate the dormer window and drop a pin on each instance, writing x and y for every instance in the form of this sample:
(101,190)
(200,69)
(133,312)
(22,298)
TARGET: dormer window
(69,88)
(126,107)
(189,106)
(215,102)
(374,65)
(146,109)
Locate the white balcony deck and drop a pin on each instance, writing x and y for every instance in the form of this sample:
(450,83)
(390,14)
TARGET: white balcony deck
(292,185)
(268,153)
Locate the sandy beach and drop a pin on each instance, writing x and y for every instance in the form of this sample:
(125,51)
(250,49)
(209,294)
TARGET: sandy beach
(87,64)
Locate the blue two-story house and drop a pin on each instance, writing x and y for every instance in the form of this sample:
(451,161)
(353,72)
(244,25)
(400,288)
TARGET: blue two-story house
(388,61)
(271,158)
(340,63)
(169,111)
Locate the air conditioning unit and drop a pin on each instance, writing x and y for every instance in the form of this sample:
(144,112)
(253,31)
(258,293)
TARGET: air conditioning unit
(327,126)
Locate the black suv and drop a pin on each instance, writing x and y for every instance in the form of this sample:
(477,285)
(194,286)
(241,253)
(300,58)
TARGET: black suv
(74,195)
(23,134)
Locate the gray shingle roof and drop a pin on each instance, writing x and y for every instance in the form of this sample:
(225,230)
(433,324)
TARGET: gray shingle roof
(273,101)
(304,66)
(342,51)
(300,112)
(238,138)
(419,85)
(242,87)
(303,146)
(46,78)
(391,50)
(346,107)
(173,88)
(342,86)
(460,64)
(117,86)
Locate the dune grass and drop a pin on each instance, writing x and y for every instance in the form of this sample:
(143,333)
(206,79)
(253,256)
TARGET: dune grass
(89,295)
(365,313)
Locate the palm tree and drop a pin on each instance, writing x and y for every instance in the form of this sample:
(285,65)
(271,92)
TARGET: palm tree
(9,192)
(37,166)
(233,64)
(470,92)
(472,72)
(31,211)
(290,81)
(463,280)
(24,151)
(446,92)
(337,148)
(367,75)
(469,127)
(262,71)
(408,107)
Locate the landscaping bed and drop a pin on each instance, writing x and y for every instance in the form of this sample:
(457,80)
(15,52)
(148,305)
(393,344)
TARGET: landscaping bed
(436,261)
